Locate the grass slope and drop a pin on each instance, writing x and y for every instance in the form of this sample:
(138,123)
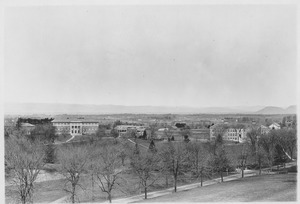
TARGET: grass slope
(279,187)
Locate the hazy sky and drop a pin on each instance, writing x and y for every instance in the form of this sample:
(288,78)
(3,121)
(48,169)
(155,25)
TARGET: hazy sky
(152,55)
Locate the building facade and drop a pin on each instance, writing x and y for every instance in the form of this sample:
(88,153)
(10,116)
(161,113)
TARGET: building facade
(274,126)
(75,127)
(27,128)
(229,133)
(123,129)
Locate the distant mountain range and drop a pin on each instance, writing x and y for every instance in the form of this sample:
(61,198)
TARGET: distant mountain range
(278,110)
(51,108)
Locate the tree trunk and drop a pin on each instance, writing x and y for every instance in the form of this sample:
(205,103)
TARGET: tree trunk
(23,199)
(242,172)
(175,184)
(109,197)
(221,176)
(167,182)
(145,192)
(201,176)
(93,187)
(73,194)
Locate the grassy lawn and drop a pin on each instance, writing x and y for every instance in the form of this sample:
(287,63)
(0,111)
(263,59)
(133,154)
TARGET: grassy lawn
(47,191)
(278,187)
(63,138)
(50,191)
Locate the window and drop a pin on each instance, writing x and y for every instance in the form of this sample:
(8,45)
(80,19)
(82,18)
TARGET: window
(72,131)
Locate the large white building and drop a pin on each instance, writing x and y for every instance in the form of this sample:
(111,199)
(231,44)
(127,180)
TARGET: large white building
(76,127)
(236,134)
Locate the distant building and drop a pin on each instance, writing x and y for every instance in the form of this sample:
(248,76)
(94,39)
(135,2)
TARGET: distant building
(274,126)
(76,127)
(263,129)
(123,129)
(229,133)
(27,127)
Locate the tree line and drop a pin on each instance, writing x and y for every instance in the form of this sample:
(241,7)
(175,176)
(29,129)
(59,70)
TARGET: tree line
(107,161)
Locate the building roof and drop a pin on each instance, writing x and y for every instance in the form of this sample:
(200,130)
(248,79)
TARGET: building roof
(73,121)
(123,127)
(27,125)
(276,124)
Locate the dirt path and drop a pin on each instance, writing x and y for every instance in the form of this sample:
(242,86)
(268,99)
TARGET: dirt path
(138,144)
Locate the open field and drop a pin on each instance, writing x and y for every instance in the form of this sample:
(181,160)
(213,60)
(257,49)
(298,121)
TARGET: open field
(278,187)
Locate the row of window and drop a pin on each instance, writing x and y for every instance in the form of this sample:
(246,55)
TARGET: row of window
(69,124)
(78,131)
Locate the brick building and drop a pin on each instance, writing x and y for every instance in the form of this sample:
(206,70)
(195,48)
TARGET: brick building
(76,127)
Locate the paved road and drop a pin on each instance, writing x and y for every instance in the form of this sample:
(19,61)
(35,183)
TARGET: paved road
(138,144)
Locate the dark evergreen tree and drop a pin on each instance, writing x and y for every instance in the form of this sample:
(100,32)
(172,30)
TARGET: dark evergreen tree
(50,156)
(186,138)
(152,147)
(136,149)
(144,134)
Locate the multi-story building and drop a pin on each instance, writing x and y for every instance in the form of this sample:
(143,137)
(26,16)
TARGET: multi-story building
(76,127)
(123,129)
(236,134)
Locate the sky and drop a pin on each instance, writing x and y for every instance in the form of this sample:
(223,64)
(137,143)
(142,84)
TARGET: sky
(158,55)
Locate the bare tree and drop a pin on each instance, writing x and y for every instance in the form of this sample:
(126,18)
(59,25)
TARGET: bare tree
(153,128)
(175,159)
(268,143)
(198,159)
(256,149)
(185,133)
(44,132)
(108,168)
(73,163)
(288,141)
(242,158)
(168,134)
(219,161)
(146,167)
(100,132)
(25,159)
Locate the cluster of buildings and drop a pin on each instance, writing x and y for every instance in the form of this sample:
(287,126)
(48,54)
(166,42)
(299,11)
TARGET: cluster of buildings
(238,133)
(67,126)
(125,129)
(229,131)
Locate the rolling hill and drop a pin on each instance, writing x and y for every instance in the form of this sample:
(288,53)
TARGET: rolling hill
(52,108)
(269,110)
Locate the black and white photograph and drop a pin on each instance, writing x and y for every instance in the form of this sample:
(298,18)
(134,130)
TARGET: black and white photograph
(149,101)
